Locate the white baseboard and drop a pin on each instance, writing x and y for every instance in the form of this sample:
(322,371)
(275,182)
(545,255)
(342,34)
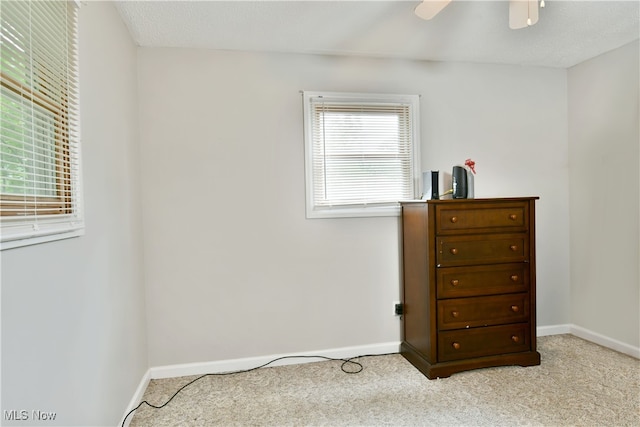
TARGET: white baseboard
(232,365)
(589,335)
(136,399)
(605,341)
(543,331)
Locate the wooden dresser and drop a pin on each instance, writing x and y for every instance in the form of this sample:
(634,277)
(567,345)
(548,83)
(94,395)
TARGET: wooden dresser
(469,294)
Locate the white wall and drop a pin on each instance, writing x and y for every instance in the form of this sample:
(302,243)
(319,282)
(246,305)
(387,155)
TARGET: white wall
(604,153)
(73,326)
(233,269)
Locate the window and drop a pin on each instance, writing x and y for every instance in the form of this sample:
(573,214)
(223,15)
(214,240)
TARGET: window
(39,128)
(361,153)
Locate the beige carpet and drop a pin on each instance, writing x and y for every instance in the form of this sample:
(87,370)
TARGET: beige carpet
(577,384)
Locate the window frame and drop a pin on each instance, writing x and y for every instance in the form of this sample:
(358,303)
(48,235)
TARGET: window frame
(314,210)
(27,219)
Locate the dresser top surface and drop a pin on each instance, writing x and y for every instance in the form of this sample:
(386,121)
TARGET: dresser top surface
(485,200)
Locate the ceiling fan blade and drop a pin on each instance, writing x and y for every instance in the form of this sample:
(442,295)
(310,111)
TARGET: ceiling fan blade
(522,13)
(430,8)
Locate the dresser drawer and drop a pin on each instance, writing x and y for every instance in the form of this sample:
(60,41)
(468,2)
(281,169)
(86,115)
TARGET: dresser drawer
(482,311)
(489,341)
(482,217)
(457,282)
(482,249)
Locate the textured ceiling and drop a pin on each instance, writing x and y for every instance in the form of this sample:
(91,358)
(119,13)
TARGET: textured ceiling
(567,33)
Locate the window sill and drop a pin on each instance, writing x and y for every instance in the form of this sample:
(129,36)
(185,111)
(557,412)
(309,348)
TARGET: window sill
(36,240)
(353,212)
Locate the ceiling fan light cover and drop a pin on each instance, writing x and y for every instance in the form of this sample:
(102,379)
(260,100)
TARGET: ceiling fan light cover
(522,13)
(430,8)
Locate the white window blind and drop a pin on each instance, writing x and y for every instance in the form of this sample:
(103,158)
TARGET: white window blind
(361,153)
(39,123)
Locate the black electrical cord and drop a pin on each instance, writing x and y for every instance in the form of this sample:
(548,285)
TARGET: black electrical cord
(345,362)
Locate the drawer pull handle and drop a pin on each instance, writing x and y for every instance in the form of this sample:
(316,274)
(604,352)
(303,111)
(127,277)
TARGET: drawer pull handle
(513,248)
(513,217)
(454,251)
(454,219)
(455,282)
(515,338)
(455,313)
(515,308)
(456,345)
(514,278)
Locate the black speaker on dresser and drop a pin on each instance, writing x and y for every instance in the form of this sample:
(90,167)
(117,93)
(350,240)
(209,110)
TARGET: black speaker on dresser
(459,182)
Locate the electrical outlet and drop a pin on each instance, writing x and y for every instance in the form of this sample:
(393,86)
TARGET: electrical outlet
(397,308)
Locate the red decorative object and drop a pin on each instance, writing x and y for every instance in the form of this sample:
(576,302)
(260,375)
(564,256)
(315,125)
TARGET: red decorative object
(471,164)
